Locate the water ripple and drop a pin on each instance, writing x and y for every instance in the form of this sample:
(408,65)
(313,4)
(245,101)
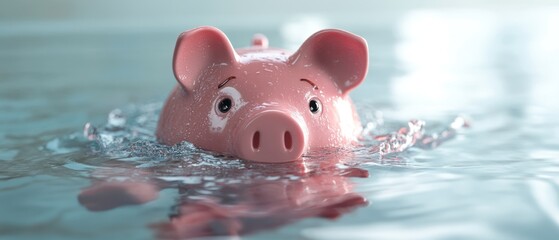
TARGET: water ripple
(546,195)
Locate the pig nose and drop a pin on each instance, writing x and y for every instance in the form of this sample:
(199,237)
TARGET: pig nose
(271,136)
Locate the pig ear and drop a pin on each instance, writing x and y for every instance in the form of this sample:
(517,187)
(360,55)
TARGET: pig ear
(199,49)
(342,55)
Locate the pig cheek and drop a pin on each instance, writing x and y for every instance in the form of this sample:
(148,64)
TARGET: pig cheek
(217,122)
(220,124)
(345,117)
(325,124)
(335,124)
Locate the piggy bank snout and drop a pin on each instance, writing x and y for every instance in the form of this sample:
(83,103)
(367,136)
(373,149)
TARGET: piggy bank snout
(271,136)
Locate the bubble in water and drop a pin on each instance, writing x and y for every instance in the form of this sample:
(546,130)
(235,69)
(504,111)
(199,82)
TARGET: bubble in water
(460,122)
(116,120)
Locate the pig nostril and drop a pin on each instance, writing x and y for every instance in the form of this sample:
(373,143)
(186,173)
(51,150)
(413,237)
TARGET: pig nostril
(256,140)
(287,140)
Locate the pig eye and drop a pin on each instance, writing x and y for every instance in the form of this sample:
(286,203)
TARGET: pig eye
(224,105)
(314,106)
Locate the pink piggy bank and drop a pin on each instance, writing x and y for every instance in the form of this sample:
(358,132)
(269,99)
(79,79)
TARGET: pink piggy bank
(264,104)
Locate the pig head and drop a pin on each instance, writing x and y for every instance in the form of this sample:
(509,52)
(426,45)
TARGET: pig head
(264,104)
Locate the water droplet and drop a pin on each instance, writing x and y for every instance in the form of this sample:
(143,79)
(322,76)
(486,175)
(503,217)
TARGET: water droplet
(89,131)
(116,120)
(460,122)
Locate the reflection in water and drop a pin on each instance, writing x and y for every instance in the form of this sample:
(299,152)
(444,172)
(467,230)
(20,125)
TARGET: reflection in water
(541,64)
(235,202)
(447,57)
(541,58)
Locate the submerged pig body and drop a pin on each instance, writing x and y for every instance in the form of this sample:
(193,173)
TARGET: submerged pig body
(263,104)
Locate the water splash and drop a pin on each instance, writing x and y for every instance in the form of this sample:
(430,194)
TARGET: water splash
(414,135)
(129,135)
(401,140)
